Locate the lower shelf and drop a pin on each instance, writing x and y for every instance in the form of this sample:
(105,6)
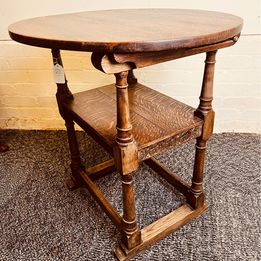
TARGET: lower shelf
(158,120)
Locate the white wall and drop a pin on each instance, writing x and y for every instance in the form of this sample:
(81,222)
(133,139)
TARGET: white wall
(27,91)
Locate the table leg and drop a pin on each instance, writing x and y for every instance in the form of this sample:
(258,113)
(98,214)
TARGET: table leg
(75,181)
(196,195)
(63,96)
(126,159)
(130,235)
(131,78)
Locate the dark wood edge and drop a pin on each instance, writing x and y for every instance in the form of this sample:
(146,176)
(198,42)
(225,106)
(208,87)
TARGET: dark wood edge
(101,200)
(169,176)
(125,47)
(118,62)
(181,137)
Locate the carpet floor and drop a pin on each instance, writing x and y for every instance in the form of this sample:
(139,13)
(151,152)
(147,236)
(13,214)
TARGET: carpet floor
(41,220)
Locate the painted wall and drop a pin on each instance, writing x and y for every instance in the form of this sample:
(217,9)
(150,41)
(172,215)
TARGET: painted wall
(26,83)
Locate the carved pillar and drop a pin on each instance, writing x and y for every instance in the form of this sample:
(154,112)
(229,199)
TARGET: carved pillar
(206,96)
(64,96)
(204,111)
(126,158)
(125,149)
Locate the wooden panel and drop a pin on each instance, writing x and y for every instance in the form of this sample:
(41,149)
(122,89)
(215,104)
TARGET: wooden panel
(109,31)
(99,111)
(148,151)
(155,117)
(170,114)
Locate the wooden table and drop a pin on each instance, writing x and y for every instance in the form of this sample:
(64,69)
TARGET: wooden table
(131,121)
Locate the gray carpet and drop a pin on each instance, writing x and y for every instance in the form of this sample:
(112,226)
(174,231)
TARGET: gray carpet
(41,220)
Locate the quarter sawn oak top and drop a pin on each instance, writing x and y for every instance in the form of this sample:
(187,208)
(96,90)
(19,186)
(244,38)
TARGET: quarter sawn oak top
(127,30)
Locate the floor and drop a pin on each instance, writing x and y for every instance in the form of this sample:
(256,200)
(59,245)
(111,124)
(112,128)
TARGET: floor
(41,220)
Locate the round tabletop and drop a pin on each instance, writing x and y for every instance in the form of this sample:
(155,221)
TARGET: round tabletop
(127,30)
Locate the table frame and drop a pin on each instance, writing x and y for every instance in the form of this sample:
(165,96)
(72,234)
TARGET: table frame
(125,151)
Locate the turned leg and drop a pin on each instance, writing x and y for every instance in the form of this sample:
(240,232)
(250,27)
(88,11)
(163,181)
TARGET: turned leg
(75,181)
(126,159)
(204,111)
(130,234)
(64,96)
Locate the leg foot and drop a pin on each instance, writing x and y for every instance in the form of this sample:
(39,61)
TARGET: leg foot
(71,184)
(195,201)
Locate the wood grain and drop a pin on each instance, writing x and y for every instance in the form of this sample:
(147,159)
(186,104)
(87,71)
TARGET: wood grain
(164,112)
(169,142)
(128,30)
(152,123)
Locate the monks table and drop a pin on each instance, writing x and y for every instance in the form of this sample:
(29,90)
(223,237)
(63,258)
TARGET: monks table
(128,119)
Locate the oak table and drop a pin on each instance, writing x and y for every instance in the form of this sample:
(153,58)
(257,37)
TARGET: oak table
(130,120)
